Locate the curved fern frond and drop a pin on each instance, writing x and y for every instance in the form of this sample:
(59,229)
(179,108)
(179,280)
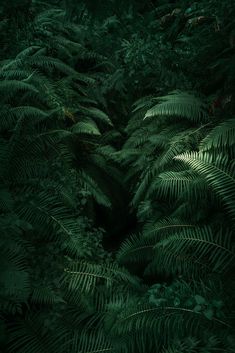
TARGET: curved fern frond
(47,212)
(89,184)
(97,115)
(12,86)
(86,276)
(157,323)
(218,173)
(212,249)
(46,296)
(146,180)
(143,103)
(47,62)
(14,276)
(165,226)
(28,52)
(88,127)
(173,184)
(22,112)
(182,104)
(91,342)
(222,136)
(135,249)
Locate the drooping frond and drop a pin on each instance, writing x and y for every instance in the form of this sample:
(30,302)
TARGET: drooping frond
(173,184)
(86,276)
(218,173)
(165,226)
(222,136)
(14,86)
(142,323)
(181,104)
(90,185)
(135,249)
(86,127)
(44,295)
(210,250)
(95,341)
(97,115)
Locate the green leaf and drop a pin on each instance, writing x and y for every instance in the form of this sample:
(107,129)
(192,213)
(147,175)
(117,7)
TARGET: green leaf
(197,308)
(199,299)
(209,313)
(182,104)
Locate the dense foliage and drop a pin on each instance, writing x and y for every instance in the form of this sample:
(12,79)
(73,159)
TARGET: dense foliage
(117,164)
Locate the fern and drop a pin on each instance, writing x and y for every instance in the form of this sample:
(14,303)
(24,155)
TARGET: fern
(173,184)
(80,90)
(28,336)
(218,174)
(213,250)
(180,104)
(135,249)
(161,321)
(92,188)
(165,226)
(222,136)
(45,296)
(86,127)
(87,276)
(12,86)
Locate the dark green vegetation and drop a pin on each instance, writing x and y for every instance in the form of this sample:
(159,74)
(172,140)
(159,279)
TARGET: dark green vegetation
(117,164)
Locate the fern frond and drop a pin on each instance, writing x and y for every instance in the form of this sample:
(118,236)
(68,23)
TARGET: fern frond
(17,74)
(165,226)
(14,277)
(182,104)
(47,211)
(157,323)
(91,342)
(12,86)
(214,250)
(146,179)
(135,249)
(222,136)
(97,114)
(86,276)
(218,173)
(87,126)
(173,184)
(45,296)
(27,52)
(90,185)
(46,62)
(143,103)
(22,112)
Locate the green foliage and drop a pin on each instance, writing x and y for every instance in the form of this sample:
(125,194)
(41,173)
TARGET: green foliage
(117,120)
(180,104)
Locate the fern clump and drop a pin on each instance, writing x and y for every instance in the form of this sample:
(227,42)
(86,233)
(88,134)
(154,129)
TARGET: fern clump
(117,176)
